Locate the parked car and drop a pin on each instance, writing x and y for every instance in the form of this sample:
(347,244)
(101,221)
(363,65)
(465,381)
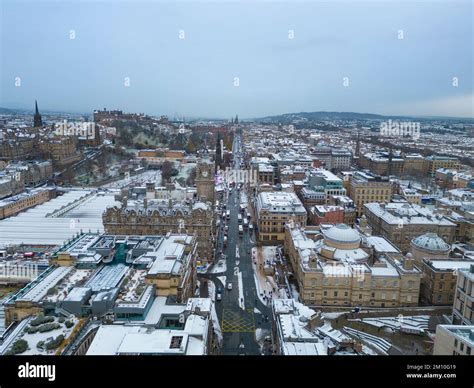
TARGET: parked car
(229,286)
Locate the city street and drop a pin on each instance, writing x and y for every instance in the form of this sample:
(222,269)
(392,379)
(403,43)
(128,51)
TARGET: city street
(241,313)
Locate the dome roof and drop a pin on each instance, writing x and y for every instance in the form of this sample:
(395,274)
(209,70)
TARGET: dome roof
(342,233)
(432,242)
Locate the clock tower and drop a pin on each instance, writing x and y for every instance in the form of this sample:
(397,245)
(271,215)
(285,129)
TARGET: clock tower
(205,180)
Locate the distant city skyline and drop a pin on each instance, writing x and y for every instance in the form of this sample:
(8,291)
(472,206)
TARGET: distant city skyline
(208,59)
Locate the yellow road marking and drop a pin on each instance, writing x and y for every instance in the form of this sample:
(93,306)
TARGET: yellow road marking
(241,322)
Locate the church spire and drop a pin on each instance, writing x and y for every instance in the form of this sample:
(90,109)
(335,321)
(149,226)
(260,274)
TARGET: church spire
(390,161)
(357,150)
(37,121)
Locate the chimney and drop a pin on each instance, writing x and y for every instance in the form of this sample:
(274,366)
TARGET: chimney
(408,263)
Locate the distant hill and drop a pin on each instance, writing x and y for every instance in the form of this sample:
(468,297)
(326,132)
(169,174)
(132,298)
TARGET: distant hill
(5,111)
(316,116)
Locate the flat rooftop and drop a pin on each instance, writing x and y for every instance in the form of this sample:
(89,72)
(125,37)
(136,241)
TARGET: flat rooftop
(58,220)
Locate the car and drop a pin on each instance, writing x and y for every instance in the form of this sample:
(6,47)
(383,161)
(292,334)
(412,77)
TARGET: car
(218,295)
(229,286)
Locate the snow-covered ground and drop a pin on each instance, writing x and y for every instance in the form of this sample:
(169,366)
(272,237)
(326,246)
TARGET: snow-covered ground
(223,280)
(260,334)
(294,292)
(67,284)
(136,180)
(219,267)
(211,288)
(216,325)
(415,324)
(282,293)
(130,290)
(379,344)
(334,315)
(243,198)
(33,339)
(265,284)
(241,291)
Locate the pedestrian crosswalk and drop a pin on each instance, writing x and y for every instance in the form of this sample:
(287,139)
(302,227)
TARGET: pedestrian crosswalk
(238,322)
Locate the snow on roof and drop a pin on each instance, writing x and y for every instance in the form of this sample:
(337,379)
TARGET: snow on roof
(153,342)
(305,349)
(169,256)
(108,277)
(387,270)
(160,308)
(450,264)
(381,244)
(341,233)
(35,227)
(40,289)
(78,294)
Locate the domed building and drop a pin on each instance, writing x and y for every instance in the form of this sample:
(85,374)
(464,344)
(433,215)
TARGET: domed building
(341,236)
(429,245)
(341,242)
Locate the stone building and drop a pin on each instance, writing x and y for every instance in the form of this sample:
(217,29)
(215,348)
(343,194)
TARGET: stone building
(160,217)
(365,187)
(21,202)
(438,284)
(429,245)
(401,222)
(463,313)
(333,269)
(205,180)
(274,210)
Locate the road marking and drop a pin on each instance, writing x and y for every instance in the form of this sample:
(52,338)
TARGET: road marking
(240,322)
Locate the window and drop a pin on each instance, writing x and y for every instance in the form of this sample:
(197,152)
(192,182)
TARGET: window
(176,342)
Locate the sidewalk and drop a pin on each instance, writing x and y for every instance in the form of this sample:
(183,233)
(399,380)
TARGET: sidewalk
(266,285)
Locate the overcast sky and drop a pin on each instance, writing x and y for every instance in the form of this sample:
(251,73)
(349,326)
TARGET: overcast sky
(249,58)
